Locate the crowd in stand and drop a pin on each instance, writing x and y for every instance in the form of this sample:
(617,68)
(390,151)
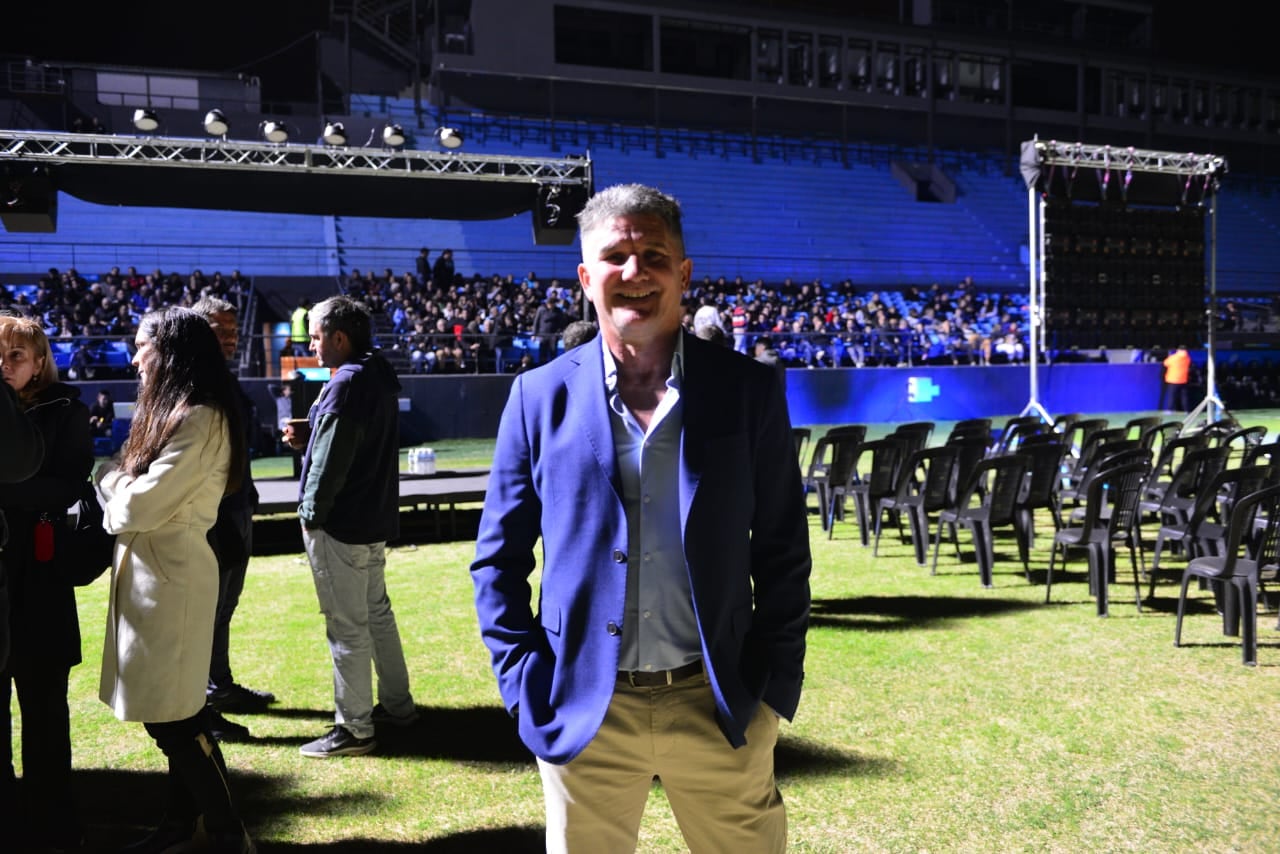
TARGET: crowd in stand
(441,322)
(435,320)
(89,314)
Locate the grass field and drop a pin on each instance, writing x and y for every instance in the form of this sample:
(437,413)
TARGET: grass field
(937,716)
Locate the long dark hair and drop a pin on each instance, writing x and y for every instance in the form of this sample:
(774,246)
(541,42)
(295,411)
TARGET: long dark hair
(189,370)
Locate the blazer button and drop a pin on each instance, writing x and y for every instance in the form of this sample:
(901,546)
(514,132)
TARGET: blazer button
(619,556)
(613,629)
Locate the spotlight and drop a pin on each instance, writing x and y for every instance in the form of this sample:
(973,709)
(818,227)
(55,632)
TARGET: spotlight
(275,132)
(215,123)
(334,134)
(450,138)
(393,135)
(145,119)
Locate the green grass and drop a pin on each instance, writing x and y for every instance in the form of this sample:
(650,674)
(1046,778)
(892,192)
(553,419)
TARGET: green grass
(937,716)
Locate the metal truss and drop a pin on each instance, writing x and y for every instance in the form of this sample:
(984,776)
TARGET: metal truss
(61,149)
(1054,153)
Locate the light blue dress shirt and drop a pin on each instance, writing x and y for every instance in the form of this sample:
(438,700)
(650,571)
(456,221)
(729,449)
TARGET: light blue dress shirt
(659,631)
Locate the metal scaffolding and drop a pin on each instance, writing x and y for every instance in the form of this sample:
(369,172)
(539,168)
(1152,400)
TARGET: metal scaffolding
(64,149)
(1038,155)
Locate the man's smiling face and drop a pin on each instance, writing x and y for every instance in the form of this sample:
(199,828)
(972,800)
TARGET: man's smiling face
(635,274)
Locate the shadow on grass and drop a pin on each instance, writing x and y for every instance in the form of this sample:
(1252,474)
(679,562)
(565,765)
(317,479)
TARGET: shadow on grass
(794,758)
(119,807)
(896,613)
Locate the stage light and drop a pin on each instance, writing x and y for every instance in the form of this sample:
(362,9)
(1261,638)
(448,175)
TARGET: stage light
(335,134)
(145,119)
(215,123)
(275,132)
(450,138)
(393,135)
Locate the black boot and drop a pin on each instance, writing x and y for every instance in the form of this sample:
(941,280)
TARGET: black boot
(202,774)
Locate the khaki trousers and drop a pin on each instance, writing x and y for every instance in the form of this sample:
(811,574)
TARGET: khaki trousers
(725,800)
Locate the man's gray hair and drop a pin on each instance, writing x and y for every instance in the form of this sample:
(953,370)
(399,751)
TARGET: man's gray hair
(631,200)
(345,315)
(208,306)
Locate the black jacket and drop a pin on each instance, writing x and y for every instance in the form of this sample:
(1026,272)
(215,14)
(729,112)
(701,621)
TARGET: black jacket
(43,621)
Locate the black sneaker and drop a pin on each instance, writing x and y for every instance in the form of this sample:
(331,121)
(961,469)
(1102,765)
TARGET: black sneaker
(339,742)
(225,730)
(237,698)
(384,718)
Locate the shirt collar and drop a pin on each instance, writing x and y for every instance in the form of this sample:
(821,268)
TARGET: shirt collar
(611,366)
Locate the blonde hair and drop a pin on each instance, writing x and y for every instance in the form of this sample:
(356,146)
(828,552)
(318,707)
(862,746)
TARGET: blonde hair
(28,333)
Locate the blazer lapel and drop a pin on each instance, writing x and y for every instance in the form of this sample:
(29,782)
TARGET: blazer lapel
(587,411)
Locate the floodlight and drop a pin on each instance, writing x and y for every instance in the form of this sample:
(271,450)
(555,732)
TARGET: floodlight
(450,138)
(215,123)
(145,119)
(393,135)
(275,131)
(334,134)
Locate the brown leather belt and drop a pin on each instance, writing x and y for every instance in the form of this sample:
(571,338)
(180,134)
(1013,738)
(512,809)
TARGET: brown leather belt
(658,678)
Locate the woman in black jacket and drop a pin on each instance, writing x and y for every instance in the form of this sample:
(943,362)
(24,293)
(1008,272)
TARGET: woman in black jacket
(44,626)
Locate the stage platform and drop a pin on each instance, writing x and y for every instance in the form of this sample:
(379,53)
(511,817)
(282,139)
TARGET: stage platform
(429,509)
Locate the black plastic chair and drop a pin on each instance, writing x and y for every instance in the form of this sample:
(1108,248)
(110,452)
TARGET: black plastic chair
(883,458)
(924,487)
(1250,559)
(1014,431)
(1111,510)
(988,501)
(839,477)
(1040,490)
(801,437)
(815,479)
(1204,532)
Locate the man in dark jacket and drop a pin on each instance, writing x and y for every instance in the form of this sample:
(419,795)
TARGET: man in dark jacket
(232,540)
(349,507)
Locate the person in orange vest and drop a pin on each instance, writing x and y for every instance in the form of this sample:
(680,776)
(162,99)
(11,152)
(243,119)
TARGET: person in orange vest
(1177,371)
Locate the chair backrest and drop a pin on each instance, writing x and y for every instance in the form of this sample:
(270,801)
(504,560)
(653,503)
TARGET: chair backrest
(1197,468)
(914,436)
(1159,436)
(1243,440)
(1079,432)
(1062,423)
(968,423)
(1135,427)
(1244,539)
(934,487)
(824,447)
(1044,471)
(1174,450)
(879,472)
(1264,454)
(1017,429)
(1220,495)
(970,451)
(1122,486)
(1004,486)
(801,437)
(843,471)
(995,484)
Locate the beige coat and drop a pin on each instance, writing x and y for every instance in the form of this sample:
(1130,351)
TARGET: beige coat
(164,579)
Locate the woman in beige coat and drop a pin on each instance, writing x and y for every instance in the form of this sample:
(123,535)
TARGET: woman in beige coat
(160,497)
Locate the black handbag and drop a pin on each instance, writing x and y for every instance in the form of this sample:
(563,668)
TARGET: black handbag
(85,549)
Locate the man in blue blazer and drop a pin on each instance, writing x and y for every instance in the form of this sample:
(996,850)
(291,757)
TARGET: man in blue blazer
(669,634)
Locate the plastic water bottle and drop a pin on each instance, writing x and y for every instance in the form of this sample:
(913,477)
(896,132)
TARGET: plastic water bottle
(428,461)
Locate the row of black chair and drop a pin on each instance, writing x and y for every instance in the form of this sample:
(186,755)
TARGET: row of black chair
(1098,486)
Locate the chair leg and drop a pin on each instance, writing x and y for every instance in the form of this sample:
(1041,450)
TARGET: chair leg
(1137,583)
(982,551)
(919,536)
(937,544)
(864,517)
(1246,591)
(1182,604)
(1048,579)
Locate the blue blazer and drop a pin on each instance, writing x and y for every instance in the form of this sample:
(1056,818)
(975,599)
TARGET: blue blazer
(745,533)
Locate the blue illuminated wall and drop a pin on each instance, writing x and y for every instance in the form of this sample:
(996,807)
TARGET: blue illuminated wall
(875,395)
